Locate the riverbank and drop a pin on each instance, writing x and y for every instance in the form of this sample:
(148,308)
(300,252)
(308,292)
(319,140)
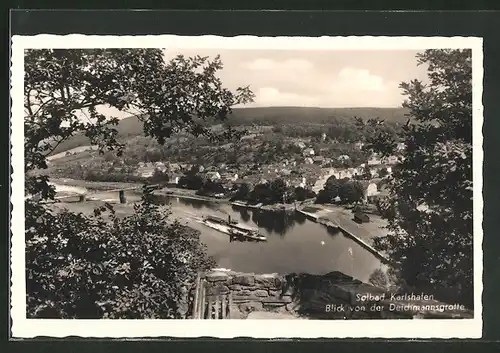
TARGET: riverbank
(279,207)
(95,186)
(339,218)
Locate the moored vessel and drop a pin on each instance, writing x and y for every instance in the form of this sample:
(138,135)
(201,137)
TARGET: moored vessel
(234,229)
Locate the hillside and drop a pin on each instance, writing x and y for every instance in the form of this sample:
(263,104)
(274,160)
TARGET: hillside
(263,116)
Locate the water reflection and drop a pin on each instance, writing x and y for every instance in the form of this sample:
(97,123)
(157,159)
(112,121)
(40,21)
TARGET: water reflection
(295,244)
(300,218)
(193,203)
(333,231)
(244,214)
(274,222)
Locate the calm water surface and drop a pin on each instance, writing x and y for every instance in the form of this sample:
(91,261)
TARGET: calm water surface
(295,244)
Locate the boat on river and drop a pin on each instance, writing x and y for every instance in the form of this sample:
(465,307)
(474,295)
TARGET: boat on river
(235,230)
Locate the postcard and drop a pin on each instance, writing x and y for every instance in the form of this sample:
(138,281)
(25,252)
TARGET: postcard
(171,186)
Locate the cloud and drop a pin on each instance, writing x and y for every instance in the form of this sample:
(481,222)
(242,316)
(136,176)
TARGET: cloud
(266,96)
(289,65)
(358,80)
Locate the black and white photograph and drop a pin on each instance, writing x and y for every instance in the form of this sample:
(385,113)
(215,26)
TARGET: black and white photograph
(169,184)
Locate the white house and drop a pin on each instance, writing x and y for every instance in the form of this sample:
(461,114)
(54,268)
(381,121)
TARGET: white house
(400,146)
(213,176)
(229,176)
(175,166)
(371,190)
(318,159)
(355,171)
(300,144)
(308,152)
(174,179)
(161,166)
(343,157)
(374,160)
(308,160)
(145,172)
(359,145)
(391,160)
(342,173)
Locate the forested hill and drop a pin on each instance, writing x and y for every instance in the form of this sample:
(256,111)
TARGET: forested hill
(311,115)
(131,126)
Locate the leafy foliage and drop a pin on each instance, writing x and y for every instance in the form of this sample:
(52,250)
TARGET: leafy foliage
(347,190)
(430,208)
(92,266)
(88,267)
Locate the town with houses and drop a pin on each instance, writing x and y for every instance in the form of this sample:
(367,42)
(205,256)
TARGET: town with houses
(311,174)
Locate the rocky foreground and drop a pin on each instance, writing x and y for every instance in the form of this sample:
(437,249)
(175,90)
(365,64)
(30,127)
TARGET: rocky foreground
(304,296)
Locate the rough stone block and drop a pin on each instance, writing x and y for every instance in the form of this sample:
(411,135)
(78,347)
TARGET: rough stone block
(260,293)
(279,282)
(268,281)
(277,299)
(246,280)
(273,306)
(217,289)
(288,291)
(245,298)
(251,306)
(216,276)
(244,292)
(292,306)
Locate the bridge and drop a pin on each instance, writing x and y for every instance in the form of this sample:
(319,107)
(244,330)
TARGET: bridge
(121,193)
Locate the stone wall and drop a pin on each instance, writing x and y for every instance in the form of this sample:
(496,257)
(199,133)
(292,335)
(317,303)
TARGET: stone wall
(331,296)
(249,292)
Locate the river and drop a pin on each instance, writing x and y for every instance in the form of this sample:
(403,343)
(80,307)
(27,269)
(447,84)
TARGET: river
(295,244)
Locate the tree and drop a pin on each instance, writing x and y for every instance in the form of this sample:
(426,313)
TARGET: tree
(131,267)
(80,266)
(279,190)
(191,181)
(242,193)
(300,193)
(383,172)
(324,196)
(159,176)
(430,207)
(351,191)
(261,193)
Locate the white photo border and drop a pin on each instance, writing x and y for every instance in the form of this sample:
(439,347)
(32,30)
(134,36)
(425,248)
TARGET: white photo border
(428,328)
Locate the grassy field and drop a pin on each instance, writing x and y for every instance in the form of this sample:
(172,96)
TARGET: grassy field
(95,185)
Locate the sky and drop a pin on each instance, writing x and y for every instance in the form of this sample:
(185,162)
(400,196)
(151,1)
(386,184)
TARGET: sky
(316,78)
(324,78)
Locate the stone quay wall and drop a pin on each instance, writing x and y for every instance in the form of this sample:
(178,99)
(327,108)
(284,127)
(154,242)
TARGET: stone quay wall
(331,296)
